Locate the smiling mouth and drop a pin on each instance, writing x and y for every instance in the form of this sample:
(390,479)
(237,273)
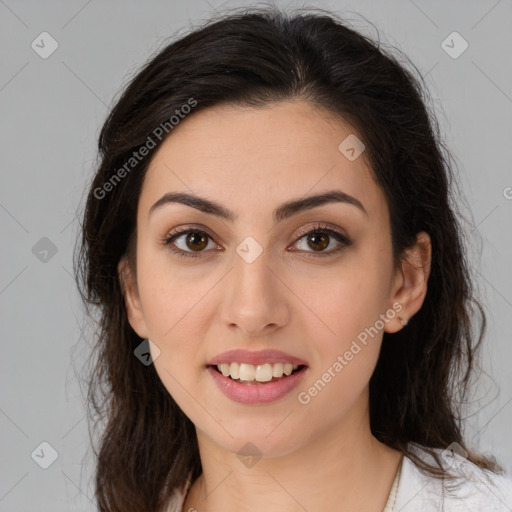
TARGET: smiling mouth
(263,376)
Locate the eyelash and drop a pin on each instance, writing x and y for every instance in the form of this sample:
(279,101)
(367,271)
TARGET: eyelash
(344,241)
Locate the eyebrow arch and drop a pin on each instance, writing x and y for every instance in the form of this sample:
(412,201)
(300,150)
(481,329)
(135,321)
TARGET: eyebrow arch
(281,213)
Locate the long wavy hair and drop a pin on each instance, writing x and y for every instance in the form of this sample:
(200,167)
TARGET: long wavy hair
(256,57)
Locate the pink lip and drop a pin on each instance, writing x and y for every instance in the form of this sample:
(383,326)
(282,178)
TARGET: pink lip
(259,393)
(255,358)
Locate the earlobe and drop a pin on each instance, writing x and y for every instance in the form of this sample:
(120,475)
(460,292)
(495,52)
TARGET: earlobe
(412,281)
(131,298)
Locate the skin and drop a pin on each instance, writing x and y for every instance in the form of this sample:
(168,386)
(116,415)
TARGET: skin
(319,456)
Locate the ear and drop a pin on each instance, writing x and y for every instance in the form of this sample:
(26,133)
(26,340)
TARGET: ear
(131,298)
(410,286)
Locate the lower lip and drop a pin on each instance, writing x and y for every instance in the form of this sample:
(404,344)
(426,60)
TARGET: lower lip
(260,393)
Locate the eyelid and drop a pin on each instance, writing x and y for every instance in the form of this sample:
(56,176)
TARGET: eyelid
(320,226)
(190,228)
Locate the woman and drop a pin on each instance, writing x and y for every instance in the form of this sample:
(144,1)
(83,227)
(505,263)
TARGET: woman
(284,297)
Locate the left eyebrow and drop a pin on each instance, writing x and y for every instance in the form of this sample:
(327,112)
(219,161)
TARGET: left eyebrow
(281,213)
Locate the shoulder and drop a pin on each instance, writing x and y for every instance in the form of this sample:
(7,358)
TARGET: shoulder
(471,490)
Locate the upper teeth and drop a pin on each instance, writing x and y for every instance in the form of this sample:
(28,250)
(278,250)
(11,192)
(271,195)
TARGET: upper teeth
(260,373)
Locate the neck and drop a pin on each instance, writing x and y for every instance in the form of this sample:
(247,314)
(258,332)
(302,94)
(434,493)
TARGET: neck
(345,469)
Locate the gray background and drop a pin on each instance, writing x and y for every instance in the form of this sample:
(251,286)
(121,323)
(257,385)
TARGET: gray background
(52,110)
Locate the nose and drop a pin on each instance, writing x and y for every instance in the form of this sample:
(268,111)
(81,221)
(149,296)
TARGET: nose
(254,298)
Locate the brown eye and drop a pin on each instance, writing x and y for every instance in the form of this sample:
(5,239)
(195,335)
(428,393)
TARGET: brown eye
(186,243)
(196,241)
(318,241)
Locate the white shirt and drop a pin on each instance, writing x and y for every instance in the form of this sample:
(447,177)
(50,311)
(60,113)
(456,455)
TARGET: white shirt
(474,490)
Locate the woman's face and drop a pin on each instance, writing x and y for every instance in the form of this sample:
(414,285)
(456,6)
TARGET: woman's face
(252,280)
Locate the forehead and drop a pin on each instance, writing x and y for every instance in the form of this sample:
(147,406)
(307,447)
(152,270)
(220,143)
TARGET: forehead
(254,158)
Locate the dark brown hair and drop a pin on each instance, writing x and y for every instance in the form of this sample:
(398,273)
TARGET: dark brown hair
(255,58)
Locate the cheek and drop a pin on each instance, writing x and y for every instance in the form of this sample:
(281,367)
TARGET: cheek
(176,323)
(352,352)
(353,299)
(345,350)
(352,309)
(172,297)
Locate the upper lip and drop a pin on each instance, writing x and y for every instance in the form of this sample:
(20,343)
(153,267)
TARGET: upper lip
(255,357)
